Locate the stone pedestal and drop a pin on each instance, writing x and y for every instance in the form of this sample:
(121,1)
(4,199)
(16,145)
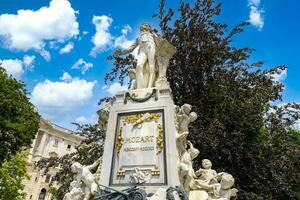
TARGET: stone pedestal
(140,144)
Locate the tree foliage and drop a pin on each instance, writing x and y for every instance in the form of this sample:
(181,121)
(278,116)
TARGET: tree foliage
(86,153)
(19,121)
(12,173)
(239,127)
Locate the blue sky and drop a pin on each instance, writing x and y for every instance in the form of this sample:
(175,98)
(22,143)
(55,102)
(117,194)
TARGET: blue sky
(59,47)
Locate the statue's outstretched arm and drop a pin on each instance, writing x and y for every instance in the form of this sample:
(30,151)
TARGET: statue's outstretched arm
(95,164)
(129,50)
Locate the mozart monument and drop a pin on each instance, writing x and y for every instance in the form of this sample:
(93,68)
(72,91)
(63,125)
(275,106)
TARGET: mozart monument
(146,152)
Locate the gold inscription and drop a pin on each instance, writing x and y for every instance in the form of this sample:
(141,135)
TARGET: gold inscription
(139,139)
(128,149)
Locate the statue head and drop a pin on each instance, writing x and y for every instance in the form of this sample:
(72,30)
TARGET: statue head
(76,167)
(74,184)
(193,116)
(206,164)
(227,181)
(145,27)
(186,108)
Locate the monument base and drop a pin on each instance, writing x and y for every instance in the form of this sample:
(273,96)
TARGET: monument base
(140,146)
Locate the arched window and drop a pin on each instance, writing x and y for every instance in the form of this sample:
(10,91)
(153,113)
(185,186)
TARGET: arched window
(53,154)
(42,195)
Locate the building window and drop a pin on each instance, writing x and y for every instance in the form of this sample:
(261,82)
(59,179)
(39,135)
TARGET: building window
(53,154)
(69,147)
(30,197)
(48,176)
(55,142)
(42,195)
(36,179)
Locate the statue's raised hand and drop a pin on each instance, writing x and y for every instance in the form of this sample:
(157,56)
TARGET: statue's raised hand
(118,52)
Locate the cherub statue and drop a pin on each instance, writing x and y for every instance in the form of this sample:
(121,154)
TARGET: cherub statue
(83,173)
(226,192)
(186,171)
(207,179)
(149,55)
(75,191)
(184,117)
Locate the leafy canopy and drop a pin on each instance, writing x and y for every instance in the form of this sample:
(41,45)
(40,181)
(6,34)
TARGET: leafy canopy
(239,127)
(12,173)
(19,121)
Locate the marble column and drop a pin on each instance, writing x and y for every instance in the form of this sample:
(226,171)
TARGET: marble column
(42,143)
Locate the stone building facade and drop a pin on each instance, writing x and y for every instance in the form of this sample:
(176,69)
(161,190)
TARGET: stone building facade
(51,141)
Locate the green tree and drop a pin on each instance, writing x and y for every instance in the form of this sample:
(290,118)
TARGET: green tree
(238,127)
(19,121)
(12,173)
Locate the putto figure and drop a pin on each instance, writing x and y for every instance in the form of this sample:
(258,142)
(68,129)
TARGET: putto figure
(153,57)
(84,175)
(207,178)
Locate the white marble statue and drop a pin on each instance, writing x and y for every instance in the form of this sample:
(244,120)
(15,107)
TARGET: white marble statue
(207,184)
(84,175)
(226,191)
(186,171)
(207,179)
(132,76)
(154,54)
(75,193)
(184,117)
(103,116)
(138,176)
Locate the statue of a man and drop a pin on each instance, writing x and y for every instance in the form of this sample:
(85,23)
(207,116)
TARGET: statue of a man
(150,58)
(146,55)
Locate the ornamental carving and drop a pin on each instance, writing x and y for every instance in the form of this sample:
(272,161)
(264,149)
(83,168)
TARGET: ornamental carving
(120,142)
(159,139)
(140,118)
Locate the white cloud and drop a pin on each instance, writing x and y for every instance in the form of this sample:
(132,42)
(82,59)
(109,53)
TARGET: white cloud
(102,38)
(29,29)
(13,67)
(256,14)
(126,29)
(122,40)
(16,67)
(55,98)
(45,54)
(86,120)
(297,125)
(115,88)
(28,61)
(67,48)
(254,2)
(82,65)
(66,77)
(281,76)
